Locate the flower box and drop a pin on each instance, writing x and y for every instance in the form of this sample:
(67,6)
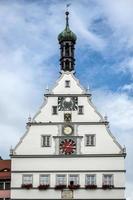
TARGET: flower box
(91,187)
(60,187)
(43,187)
(26,186)
(73,187)
(107,187)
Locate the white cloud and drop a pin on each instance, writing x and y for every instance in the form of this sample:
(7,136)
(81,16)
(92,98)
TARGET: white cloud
(119,109)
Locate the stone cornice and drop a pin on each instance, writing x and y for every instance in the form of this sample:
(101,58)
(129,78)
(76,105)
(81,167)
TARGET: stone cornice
(69,156)
(76,199)
(82,188)
(66,95)
(69,171)
(62,123)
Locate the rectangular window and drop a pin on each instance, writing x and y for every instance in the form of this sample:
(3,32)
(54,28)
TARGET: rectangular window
(27,179)
(54,110)
(61,179)
(44,179)
(7,185)
(108,179)
(90,140)
(67,83)
(90,179)
(46,140)
(1,185)
(73,179)
(80,110)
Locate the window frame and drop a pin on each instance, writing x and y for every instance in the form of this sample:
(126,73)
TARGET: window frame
(75,176)
(9,185)
(65,179)
(107,182)
(94,140)
(3,183)
(53,111)
(80,112)
(48,175)
(31,175)
(87,182)
(42,141)
(67,83)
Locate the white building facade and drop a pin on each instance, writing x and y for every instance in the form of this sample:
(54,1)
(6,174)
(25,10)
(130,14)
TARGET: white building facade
(68,151)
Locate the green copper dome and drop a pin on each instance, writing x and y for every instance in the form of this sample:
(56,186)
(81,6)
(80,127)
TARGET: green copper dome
(67,34)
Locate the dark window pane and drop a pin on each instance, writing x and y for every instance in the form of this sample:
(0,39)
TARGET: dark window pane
(1,185)
(80,110)
(7,185)
(67,83)
(46,141)
(54,110)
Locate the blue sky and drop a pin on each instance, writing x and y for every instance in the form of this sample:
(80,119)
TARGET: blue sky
(29,54)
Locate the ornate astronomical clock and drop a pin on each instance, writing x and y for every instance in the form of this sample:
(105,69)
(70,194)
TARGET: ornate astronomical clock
(67,146)
(67,103)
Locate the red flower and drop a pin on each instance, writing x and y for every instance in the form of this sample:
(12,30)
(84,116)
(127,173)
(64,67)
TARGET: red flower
(73,187)
(90,186)
(60,187)
(43,187)
(107,186)
(27,186)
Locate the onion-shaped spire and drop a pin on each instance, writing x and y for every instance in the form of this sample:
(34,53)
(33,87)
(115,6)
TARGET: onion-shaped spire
(67,34)
(67,40)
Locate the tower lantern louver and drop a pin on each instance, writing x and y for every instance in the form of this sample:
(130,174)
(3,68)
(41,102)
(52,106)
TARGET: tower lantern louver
(67,40)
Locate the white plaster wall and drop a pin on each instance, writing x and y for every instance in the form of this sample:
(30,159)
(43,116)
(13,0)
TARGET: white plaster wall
(81,163)
(78,194)
(105,144)
(45,114)
(99,194)
(75,87)
(31,143)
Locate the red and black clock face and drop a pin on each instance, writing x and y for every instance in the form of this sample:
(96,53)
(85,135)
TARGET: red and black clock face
(67,146)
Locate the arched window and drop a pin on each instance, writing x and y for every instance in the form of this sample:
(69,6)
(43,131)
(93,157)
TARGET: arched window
(67,64)
(67,49)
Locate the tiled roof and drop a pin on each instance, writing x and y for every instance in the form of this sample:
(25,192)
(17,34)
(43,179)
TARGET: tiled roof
(5,169)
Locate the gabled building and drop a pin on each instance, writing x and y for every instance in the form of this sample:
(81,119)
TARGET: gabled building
(68,151)
(5,179)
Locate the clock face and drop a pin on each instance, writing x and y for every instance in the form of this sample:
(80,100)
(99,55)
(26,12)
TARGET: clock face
(67,103)
(67,130)
(67,146)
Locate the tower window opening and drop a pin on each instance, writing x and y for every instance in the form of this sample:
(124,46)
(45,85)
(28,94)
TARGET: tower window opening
(67,83)
(80,110)
(54,110)
(67,49)
(67,65)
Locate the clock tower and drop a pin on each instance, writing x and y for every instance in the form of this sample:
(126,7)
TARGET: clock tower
(68,150)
